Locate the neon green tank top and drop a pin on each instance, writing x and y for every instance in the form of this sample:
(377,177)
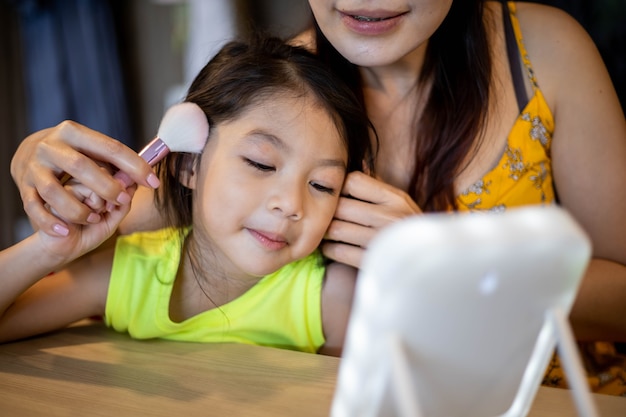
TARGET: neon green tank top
(282,310)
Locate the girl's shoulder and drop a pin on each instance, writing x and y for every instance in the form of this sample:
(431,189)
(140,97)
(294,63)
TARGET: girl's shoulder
(340,274)
(337,295)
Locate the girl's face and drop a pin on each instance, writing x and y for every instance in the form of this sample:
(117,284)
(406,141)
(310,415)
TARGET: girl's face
(268,185)
(373,33)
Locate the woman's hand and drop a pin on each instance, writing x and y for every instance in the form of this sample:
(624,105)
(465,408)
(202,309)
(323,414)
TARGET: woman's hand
(44,158)
(83,238)
(366,206)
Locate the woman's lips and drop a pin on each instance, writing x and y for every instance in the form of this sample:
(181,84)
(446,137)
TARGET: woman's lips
(371,22)
(269,240)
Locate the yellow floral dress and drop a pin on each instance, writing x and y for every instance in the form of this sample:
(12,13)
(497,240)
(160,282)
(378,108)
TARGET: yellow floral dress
(523,176)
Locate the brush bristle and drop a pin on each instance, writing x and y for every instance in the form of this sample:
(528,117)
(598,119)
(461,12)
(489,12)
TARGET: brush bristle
(184,128)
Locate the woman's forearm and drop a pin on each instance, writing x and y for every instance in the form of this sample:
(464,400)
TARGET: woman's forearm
(599,312)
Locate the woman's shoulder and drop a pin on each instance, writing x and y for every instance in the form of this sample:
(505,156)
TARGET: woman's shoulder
(548,25)
(556,43)
(549,34)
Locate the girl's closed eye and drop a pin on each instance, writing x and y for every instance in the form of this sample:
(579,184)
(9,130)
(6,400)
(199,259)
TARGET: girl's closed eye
(323,188)
(258,165)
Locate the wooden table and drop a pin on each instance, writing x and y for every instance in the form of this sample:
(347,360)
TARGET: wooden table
(88,370)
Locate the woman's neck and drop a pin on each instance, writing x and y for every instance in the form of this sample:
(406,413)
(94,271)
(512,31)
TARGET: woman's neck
(398,78)
(395,97)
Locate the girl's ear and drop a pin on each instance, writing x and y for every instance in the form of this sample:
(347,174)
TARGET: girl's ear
(187,169)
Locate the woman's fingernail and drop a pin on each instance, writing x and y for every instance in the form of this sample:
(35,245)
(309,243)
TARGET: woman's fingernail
(153,180)
(123,198)
(61,230)
(93,218)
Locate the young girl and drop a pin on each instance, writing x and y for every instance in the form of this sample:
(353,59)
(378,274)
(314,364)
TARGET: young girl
(238,262)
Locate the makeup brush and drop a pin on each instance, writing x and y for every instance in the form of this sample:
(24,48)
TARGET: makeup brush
(184,128)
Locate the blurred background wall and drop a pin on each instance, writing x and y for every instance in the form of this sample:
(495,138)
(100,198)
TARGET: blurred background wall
(115,65)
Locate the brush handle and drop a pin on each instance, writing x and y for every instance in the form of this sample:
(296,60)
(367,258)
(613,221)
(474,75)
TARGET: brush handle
(152,153)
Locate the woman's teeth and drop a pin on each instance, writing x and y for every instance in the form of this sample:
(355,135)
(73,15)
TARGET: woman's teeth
(368,19)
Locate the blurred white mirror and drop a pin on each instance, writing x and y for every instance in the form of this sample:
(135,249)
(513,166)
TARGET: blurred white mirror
(459,314)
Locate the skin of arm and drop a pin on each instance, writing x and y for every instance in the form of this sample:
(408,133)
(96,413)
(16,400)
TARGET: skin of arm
(337,295)
(33,302)
(588,157)
(31,305)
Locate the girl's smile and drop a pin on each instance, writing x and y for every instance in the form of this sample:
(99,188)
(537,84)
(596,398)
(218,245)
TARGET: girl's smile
(269,240)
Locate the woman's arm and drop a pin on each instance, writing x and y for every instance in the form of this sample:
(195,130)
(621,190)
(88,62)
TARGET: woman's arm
(46,156)
(589,159)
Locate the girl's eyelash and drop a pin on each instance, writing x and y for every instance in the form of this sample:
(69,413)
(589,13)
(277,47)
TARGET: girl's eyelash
(267,168)
(322,188)
(257,165)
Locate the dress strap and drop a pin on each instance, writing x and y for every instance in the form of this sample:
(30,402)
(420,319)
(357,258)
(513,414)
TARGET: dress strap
(513,53)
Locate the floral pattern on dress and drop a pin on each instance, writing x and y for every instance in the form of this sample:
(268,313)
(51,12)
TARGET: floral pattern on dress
(605,367)
(499,208)
(515,163)
(538,130)
(517,166)
(476,189)
(539,178)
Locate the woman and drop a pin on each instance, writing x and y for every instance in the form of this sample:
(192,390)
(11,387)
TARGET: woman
(448,95)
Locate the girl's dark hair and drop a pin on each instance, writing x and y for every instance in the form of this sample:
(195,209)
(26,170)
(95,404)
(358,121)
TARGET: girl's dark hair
(243,74)
(458,62)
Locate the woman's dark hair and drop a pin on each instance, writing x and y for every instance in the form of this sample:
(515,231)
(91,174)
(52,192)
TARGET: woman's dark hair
(243,74)
(458,63)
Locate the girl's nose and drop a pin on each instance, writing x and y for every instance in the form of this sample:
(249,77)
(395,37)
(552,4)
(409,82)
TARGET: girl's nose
(287,200)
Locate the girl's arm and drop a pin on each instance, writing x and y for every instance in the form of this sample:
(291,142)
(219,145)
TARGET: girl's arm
(337,295)
(32,302)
